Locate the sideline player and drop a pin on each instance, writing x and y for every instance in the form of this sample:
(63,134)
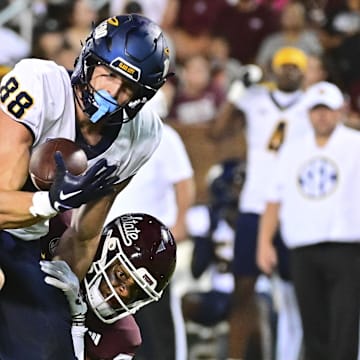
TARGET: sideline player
(273,115)
(134,249)
(212,229)
(122,64)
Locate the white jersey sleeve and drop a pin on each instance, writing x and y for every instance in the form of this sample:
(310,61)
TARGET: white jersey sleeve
(38,94)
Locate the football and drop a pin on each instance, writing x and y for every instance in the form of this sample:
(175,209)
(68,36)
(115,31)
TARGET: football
(42,165)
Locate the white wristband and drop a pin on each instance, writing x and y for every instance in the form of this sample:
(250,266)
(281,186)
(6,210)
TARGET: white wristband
(78,333)
(41,205)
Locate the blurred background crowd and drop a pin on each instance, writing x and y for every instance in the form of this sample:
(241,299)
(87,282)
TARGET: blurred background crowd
(212,42)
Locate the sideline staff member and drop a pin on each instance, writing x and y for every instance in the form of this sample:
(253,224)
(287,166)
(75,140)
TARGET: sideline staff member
(316,198)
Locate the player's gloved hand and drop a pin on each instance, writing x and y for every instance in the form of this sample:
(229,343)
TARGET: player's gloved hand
(70,191)
(251,74)
(62,277)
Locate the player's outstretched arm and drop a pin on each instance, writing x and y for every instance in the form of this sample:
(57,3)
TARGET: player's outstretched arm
(60,276)
(79,242)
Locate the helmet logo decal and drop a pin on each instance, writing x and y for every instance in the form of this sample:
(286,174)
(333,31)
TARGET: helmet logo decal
(126,68)
(101,30)
(147,277)
(128,230)
(114,21)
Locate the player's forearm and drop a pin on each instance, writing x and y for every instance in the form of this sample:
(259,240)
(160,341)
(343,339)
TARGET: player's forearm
(79,242)
(76,251)
(17,209)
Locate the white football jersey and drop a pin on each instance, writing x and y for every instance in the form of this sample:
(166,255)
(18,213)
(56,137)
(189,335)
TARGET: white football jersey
(38,93)
(268,127)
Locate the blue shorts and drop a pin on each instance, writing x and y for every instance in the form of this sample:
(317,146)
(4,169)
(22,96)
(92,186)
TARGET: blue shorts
(35,321)
(244,263)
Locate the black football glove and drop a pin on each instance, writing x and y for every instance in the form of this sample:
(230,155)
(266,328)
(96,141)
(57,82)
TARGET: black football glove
(70,191)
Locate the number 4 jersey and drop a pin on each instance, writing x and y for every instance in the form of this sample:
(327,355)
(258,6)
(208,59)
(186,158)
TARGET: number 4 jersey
(272,118)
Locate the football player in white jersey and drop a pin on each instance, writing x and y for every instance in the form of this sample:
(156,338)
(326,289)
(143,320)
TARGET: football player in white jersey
(273,115)
(122,64)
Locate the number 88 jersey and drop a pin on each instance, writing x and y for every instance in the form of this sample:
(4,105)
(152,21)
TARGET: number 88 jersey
(38,94)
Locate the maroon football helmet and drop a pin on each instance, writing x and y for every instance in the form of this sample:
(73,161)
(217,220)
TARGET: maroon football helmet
(146,249)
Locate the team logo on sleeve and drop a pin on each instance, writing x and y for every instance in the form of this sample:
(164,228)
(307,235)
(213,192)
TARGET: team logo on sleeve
(318,178)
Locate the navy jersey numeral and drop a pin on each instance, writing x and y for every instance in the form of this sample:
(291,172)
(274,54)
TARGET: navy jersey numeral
(17,101)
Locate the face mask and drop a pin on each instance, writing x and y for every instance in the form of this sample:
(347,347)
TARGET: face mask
(97,300)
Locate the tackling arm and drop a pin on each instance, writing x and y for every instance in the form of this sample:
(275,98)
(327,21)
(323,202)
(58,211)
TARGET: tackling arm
(79,242)
(59,275)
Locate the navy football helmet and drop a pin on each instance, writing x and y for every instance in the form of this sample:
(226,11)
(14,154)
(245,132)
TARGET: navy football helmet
(146,249)
(132,46)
